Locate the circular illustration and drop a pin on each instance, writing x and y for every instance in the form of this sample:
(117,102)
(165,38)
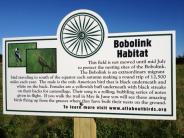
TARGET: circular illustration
(82,35)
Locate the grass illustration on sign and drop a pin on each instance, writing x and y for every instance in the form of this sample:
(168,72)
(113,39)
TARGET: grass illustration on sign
(17,53)
(41,60)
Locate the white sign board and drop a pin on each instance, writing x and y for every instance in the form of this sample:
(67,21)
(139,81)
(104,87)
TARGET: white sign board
(85,71)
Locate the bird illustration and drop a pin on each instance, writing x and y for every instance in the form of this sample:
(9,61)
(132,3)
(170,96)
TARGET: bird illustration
(43,63)
(17,55)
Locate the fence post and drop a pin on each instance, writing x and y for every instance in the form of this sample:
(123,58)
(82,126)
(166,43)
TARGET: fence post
(84,128)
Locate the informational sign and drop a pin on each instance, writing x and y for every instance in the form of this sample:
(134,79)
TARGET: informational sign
(85,71)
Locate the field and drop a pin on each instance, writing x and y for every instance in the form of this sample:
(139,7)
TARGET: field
(58,127)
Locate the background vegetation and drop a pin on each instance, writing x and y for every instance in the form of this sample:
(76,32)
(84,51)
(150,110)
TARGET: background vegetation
(180,59)
(58,127)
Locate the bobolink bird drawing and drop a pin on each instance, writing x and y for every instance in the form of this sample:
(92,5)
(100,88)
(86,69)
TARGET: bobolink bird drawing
(43,63)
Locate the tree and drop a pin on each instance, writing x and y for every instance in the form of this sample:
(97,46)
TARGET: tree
(180,59)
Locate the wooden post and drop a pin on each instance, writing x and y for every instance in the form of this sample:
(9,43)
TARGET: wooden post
(84,128)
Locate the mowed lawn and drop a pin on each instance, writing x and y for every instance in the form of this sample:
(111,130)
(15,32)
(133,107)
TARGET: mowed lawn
(58,127)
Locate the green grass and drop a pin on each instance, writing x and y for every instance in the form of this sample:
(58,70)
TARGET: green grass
(22,49)
(58,127)
(47,56)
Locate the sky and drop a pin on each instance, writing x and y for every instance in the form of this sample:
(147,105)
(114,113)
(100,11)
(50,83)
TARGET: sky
(21,18)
